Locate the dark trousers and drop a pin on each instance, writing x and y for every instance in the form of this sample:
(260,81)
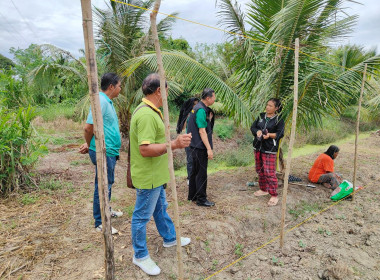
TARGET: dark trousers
(198,178)
(189,164)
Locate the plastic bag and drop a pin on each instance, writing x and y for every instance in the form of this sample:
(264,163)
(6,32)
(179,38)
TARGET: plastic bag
(343,190)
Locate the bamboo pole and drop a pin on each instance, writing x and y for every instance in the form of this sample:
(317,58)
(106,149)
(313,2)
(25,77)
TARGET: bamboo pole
(291,143)
(357,129)
(92,75)
(161,71)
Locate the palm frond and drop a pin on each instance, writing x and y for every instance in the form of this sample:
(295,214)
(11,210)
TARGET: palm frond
(186,71)
(231,16)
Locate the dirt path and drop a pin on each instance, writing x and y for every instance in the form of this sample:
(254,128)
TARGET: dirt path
(48,234)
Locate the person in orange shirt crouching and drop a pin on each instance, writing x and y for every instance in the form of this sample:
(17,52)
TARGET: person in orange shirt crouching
(322,171)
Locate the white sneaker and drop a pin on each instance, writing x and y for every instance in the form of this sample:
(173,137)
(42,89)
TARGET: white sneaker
(188,182)
(113,231)
(148,266)
(184,242)
(116,214)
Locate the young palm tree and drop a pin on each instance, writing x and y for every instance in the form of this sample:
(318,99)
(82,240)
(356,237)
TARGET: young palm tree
(266,70)
(122,34)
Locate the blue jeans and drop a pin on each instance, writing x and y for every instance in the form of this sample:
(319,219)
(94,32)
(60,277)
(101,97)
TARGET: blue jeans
(111,163)
(150,202)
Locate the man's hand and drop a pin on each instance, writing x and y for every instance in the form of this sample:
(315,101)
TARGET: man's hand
(182,141)
(210,154)
(259,133)
(266,136)
(83,149)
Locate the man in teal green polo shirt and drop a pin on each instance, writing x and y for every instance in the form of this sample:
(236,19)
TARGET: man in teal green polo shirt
(111,86)
(150,173)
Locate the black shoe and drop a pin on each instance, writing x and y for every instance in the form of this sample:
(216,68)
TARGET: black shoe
(206,203)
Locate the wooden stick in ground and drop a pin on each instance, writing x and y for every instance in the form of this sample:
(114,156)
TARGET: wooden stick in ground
(357,129)
(92,75)
(161,71)
(291,142)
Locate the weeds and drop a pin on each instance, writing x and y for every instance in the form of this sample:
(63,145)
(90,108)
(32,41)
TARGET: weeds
(239,250)
(19,151)
(214,264)
(51,185)
(207,248)
(28,199)
(53,112)
(224,129)
(325,232)
(277,261)
(303,208)
(301,244)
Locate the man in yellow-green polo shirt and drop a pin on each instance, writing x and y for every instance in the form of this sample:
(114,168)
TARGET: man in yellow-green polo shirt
(150,173)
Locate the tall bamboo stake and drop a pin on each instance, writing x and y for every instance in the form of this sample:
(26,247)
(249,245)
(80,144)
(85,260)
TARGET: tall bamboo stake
(291,142)
(161,71)
(92,75)
(357,129)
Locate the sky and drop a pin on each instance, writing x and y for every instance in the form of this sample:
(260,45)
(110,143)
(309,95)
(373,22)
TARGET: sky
(59,22)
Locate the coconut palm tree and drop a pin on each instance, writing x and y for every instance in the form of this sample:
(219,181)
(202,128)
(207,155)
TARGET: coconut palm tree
(266,70)
(123,33)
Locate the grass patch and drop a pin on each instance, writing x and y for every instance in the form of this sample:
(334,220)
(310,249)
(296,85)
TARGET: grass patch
(240,157)
(55,111)
(59,141)
(304,207)
(28,199)
(85,161)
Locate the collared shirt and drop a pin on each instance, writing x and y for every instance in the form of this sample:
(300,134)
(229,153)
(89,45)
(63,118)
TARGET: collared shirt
(110,126)
(147,128)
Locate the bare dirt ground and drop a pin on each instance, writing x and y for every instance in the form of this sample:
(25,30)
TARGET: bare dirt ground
(48,233)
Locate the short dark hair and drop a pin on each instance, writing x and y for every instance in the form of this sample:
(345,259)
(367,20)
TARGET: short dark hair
(332,150)
(207,92)
(108,79)
(151,83)
(277,103)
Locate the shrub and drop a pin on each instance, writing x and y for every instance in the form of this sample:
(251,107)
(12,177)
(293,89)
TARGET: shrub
(224,129)
(19,151)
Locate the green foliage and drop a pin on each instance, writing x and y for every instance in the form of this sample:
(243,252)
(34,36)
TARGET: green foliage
(13,92)
(239,250)
(28,199)
(265,70)
(5,62)
(214,264)
(217,57)
(175,44)
(224,129)
(301,244)
(55,111)
(51,184)
(19,150)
